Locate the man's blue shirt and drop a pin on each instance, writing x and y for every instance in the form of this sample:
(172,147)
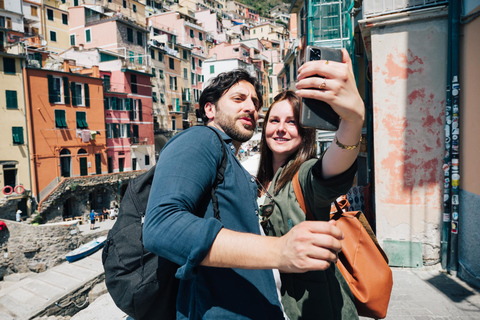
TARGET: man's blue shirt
(180,193)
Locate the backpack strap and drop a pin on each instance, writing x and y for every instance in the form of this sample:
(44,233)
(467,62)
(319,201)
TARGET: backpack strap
(219,177)
(301,200)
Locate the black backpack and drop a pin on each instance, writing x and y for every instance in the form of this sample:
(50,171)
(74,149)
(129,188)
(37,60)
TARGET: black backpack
(142,284)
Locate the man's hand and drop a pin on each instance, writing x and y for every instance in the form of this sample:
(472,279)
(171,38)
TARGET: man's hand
(310,245)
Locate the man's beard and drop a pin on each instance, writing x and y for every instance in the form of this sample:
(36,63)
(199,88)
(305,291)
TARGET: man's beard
(228,125)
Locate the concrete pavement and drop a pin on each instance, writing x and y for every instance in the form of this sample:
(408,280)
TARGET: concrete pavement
(418,294)
(28,297)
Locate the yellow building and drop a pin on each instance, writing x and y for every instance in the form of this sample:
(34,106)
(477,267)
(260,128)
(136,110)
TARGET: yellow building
(269,31)
(54,28)
(14,164)
(134,9)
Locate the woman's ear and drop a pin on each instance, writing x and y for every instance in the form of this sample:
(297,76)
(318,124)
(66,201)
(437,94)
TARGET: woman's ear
(210,110)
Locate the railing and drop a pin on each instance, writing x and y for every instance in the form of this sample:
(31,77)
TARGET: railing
(372,8)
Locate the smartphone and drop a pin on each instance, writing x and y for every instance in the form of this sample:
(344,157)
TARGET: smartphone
(315,113)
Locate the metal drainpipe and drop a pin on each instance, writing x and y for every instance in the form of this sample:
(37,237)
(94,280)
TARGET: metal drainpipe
(447,161)
(455,132)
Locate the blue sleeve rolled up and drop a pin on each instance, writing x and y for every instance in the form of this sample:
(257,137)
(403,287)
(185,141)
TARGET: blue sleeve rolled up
(174,227)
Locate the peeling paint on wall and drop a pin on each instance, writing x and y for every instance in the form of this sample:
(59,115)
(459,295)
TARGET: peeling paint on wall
(398,66)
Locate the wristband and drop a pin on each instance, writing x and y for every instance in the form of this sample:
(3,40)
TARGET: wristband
(345,147)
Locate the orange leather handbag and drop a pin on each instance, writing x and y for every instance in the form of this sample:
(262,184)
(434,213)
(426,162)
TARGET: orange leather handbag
(362,262)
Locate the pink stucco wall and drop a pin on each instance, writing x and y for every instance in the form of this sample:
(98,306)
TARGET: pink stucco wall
(409,81)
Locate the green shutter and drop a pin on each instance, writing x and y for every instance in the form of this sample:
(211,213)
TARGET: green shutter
(79,121)
(38,56)
(114,103)
(17,135)
(105,103)
(60,120)
(87,94)
(140,113)
(212,69)
(74,96)
(11,97)
(128,106)
(109,133)
(115,130)
(66,92)
(129,133)
(51,94)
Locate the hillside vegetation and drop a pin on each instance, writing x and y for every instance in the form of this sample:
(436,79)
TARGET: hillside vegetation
(263,7)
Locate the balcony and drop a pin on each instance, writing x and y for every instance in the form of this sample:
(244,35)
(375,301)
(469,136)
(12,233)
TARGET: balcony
(374,8)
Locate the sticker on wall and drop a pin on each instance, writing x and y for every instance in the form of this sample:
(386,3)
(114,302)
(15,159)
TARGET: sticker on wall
(455,227)
(446,196)
(455,216)
(455,199)
(446,217)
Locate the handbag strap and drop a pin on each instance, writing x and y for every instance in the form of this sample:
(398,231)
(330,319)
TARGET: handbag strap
(301,200)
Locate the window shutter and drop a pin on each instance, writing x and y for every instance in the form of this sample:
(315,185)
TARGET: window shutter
(74,96)
(109,132)
(128,107)
(105,103)
(66,92)
(140,113)
(79,121)
(129,133)
(114,103)
(115,130)
(87,94)
(51,94)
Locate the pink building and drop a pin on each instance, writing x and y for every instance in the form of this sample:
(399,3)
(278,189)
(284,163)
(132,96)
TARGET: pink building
(225,51)
(129,120)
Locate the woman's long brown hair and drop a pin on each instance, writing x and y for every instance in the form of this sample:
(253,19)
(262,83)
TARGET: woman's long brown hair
(305,152)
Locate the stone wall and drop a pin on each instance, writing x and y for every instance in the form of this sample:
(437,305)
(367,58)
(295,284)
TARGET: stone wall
(25,247)
(81,194)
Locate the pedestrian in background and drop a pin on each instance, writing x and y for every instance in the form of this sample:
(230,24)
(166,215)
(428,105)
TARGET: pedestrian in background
(93,214)
(18,215)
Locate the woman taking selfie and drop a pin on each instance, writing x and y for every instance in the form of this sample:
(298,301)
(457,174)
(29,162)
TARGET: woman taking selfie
(287,148)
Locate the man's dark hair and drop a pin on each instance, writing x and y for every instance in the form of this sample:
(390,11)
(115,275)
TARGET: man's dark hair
(221,84)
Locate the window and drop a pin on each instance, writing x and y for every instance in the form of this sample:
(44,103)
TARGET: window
(193,63)
(77,93)
(154,97)
(55,88)
(212,69)
(134,7)
(88,35)
(185,54)
(106,82)
(17,134)
(34,11)
(53,36)
(160,74)
(75,3)
(129,34)
(82,120)
(98,163)
(132,59)
(11,97)
(162,98)
(194,78)
(152,54)
(64,18)
(199,63)
(133,83)
(173,83)
(139,38)
(147,160)
(60,120)
(154,72)
(50,14)
(200,36)
(199,78)
(171,63)
(185,73)
(72,40)
(192,34)
(125,4)
(160,56)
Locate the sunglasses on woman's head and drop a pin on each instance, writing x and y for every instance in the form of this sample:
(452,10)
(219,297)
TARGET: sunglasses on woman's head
(265,210)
